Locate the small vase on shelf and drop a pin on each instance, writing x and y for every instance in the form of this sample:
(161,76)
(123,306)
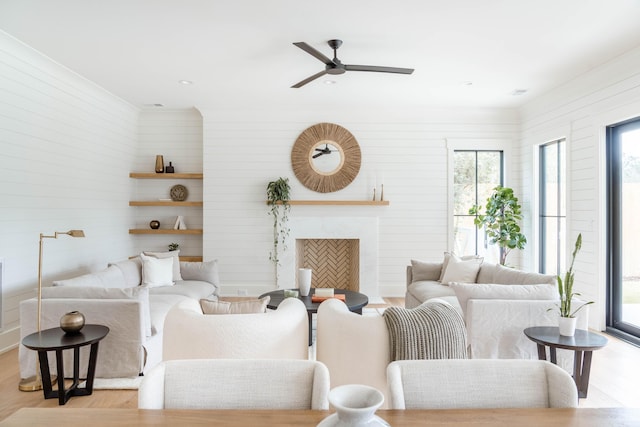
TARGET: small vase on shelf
(159,164)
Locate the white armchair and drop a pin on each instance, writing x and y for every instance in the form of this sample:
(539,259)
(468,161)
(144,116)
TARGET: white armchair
(277,334)
(355,348)
(235,384)
(479,383)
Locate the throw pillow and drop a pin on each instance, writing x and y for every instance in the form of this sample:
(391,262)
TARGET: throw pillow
(174,255)
(239,307)
(90,292)
(459,270)
(447,257)
(466,291)
(156,271)
(512,276)
(205,271)
(421,270)
(110,277)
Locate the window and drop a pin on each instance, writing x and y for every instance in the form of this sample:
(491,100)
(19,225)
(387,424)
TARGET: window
(475,174)
(553,215)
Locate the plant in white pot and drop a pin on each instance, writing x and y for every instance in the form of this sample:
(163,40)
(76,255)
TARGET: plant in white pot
(567,321)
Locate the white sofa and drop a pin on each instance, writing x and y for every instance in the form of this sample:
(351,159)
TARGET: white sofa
(113,297)
(276,334)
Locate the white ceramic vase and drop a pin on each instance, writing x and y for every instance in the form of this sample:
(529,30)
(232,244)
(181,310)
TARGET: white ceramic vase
(355,406)
(567,326)
(304,281)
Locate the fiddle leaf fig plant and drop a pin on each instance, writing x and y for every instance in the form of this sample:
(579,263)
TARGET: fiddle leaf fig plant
(565,288)
(278,195)
(500,221)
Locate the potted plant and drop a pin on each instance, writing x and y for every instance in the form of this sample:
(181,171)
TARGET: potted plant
(278,199)
(173,246)
(500,220)
(567,321)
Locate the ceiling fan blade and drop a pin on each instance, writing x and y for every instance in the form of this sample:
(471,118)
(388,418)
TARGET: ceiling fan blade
(309,79)
(314,52)
(378,69)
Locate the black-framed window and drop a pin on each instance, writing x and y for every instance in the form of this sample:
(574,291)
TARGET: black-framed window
(475,174)
(552,208)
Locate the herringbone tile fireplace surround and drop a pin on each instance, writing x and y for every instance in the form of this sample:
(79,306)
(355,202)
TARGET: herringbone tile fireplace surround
(335,262)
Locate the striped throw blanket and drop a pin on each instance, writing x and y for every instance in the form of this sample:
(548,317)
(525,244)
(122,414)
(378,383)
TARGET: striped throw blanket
(434,330)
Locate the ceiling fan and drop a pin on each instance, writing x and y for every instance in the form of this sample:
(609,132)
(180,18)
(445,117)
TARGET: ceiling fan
(322,151)
(335,66)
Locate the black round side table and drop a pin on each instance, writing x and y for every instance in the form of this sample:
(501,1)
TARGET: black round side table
(55,339)
(582,343)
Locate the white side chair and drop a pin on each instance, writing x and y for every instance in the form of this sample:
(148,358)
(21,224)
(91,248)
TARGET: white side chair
(235,384)
(479,383)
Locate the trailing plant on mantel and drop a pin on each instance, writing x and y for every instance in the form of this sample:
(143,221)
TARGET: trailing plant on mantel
(565,288)
(278,198)
(500,221)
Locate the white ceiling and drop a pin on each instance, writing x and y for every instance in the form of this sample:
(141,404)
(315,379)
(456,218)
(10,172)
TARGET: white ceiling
(239,53)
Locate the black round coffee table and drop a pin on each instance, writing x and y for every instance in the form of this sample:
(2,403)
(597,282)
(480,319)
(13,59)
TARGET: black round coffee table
(355,301)
(55,339)
(582,343)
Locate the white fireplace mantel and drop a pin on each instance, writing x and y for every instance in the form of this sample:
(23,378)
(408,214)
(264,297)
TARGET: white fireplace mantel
(364,229)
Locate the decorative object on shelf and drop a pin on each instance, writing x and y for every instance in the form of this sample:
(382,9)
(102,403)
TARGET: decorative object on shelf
(179,224)
(154,224)
(382,192)
(374,194)
(355,406)
(159,164)
(72,322)
(278,195)
(179,193)
(500,221)
(326,157)
(173,247)
(169,169)
(567,320)
(304,281)
(34,383)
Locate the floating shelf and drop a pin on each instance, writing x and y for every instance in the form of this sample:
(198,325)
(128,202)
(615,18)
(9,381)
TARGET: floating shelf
(163,203)
(338,202)
(164,231)
(153,175)
(187,258)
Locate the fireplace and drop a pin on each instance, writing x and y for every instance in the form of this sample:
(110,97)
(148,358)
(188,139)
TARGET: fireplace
(335,262)
(362,230)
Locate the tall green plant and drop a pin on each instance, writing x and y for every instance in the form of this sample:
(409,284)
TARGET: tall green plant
(565,288)
(500,221)
(278,195)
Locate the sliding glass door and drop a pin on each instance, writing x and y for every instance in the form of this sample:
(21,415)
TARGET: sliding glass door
(623,176)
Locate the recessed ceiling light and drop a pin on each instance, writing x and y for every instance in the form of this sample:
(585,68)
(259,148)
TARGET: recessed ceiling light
(157,105)
(467,83)
(330,82)
(518,92)
(185,82)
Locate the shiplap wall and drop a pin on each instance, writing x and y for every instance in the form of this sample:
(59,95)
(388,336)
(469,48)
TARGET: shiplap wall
(177,136)
(580,111)
(404,150)
(66,148)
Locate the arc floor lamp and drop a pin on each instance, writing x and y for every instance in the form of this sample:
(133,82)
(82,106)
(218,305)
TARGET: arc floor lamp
(34,383)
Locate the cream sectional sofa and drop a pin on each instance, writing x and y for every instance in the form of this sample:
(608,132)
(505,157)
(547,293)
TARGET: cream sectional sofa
(114,297)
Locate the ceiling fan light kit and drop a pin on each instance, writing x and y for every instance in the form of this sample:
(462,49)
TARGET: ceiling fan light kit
(336,67)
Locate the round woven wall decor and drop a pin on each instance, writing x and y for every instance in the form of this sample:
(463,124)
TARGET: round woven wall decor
(338,141)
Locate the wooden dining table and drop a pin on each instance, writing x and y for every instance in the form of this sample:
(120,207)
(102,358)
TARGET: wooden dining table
(98,417)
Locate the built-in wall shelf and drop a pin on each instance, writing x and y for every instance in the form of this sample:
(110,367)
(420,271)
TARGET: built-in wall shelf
(338,202)
(153,175)
(164,231)
(163,203)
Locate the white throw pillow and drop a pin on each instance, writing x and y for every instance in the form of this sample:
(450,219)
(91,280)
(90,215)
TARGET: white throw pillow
(174,255)
(156,271)
(459,270)
(205,271)
(466,291)
(421,270)
(449,255)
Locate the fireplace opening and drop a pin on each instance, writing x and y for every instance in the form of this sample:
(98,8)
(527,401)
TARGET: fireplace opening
(335,262)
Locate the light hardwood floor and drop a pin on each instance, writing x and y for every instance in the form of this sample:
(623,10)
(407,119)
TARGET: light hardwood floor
(615,376)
